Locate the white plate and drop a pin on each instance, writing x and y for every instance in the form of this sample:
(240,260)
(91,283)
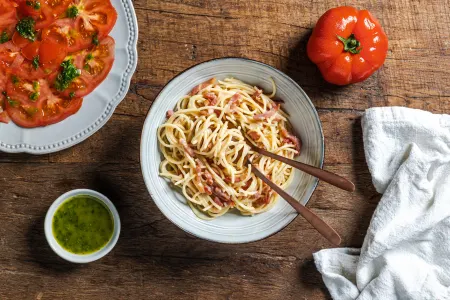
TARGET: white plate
(97,107)
(233,227)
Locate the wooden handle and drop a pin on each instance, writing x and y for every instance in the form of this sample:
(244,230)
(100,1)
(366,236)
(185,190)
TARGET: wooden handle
(326,176)
(323,228)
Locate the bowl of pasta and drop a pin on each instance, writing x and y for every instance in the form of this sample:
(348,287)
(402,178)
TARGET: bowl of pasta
(195,149)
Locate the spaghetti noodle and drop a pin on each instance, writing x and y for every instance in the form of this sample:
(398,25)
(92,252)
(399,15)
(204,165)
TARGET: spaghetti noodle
(205,148)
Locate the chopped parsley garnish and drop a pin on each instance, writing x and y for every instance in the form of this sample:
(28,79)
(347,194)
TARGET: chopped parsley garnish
(35,85)
(95,40)
(66,76)
(89,57)
(15,80)
(25,28)
(4,37)
(12,102)
(71,95)
(34,96)
(72,12)
(31,111)
(35,62)
(86,67)
(35,4)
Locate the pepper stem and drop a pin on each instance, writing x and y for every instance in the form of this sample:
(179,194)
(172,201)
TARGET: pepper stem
(351,44)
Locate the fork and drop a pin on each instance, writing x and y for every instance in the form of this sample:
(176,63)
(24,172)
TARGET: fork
(326,176)
(323,228)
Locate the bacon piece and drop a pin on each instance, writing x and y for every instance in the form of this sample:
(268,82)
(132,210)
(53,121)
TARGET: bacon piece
(254,135)
(290,138)
(208,190)
(267,198)
(169,113)
(211,98)
(247,184)
(186,147)
(218,192)
(267,114)
(236,179)
(201,86)
(257,94)
(198,167)
(235,101)
(257,195)
(198,177)
(209,178)
(217,201)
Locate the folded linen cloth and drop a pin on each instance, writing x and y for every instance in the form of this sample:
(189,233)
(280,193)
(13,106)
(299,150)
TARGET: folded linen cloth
(406,252)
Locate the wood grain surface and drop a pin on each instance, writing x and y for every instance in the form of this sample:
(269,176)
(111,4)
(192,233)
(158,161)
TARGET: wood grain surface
(153,258)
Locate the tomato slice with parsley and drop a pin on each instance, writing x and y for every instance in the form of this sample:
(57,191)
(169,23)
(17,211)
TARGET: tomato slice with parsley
(53,50)
(32,103)
(4,117)
(32,8)
(95,17)
(8,20)
(93,20)
(31,50)
(94,64)
(52,53)
(44,12)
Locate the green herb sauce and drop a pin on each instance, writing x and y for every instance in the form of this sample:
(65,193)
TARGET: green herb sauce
(82,225)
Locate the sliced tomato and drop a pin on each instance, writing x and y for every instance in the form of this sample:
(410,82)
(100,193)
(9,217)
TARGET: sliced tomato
(44,109)
(31,50)
(30,8)
(3,80)
(95,20)
(19,105)
(10,60)
(96,16)
(4,117)
(9,46)
(20,41)
(94,64)
(50,11)
(8,17)
(68,27)
(45,13)
(29,71)
(53,49)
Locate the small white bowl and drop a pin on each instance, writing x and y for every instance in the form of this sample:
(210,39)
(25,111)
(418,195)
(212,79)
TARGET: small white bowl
(77,258)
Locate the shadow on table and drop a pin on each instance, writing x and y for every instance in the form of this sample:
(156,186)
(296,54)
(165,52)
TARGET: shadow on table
(41,252)
(364,186)
(305,72)
(311,278)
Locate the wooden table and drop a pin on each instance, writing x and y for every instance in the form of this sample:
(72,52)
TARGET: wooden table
(153,258)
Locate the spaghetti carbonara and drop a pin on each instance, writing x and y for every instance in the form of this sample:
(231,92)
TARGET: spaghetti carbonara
(205,147)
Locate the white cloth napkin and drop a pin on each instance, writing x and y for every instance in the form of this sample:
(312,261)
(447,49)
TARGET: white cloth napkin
(406,252)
